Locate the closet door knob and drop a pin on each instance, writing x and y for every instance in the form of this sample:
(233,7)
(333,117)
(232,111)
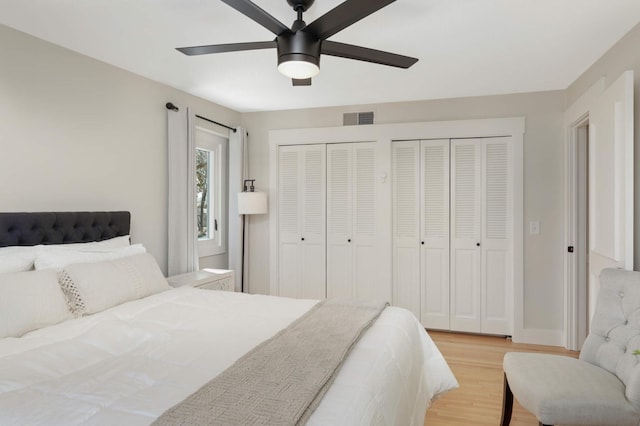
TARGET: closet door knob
(302,238)
(349,240)
(422,242)
(478,244)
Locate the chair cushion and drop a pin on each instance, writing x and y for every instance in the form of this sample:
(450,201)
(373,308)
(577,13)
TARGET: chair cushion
(564,390)
(615,330)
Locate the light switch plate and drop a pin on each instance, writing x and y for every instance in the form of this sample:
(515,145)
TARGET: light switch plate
(534,227)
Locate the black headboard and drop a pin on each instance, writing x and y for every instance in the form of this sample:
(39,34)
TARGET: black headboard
(30,229)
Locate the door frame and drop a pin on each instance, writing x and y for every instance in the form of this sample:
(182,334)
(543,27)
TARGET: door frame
(573,321)
(574,117)
(589,104)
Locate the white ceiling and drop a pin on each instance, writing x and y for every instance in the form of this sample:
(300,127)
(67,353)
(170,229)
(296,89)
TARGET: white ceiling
(465,47)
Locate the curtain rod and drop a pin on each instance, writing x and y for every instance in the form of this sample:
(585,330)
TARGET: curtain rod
(172,107)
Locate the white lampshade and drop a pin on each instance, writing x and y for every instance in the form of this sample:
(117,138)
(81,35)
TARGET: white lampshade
(252,203)
(299,69)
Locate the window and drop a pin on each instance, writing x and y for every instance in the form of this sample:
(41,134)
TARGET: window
(211,191)
(203,177)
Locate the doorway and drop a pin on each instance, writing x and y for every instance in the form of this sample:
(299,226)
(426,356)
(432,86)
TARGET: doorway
(577,255)
(602,120)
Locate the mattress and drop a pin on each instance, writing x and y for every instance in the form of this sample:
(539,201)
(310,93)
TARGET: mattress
(130,363)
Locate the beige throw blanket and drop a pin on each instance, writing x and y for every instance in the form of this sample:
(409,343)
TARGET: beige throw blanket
(282,380)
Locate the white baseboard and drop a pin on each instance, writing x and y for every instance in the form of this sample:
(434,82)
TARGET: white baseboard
(537,336)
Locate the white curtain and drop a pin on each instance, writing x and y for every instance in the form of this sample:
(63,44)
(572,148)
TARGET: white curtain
(238,170)
(182,235)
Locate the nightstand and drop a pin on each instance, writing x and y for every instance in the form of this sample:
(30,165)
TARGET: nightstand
(208,279)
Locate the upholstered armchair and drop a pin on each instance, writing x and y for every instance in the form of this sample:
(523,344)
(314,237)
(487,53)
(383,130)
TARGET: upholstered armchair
(600,388)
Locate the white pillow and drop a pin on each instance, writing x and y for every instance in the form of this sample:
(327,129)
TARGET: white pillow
(112,243)
(94,287)
(58,259)
(17,258)
(21,258)
(16,262)
(30,300)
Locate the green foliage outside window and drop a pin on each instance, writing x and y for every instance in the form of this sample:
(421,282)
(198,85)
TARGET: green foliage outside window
(202,190)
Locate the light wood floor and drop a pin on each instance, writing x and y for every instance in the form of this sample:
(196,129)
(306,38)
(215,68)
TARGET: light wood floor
(476,362)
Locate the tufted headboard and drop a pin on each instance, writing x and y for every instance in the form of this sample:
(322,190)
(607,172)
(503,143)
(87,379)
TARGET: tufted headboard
(30,229)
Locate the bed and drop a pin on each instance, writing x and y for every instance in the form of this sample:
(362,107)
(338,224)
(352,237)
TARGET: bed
(116,357)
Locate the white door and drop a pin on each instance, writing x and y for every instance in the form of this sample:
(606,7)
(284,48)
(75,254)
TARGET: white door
(351,233)
(364,236)
(313,235)
(406,225)
(421,229)
(465,234)
(495,249)
(339,220)
(611,182)
(301,221)
(482,235)
(289,220)
(434,233)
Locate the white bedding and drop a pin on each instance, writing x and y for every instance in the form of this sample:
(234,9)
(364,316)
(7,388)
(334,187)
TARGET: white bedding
(130,363)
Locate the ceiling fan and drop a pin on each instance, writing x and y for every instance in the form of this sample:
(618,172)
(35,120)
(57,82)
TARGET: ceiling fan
(300,46)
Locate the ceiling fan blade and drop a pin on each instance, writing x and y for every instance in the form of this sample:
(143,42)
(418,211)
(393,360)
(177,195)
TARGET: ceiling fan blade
(343,15)
(253,11)
(350,51)
(221,48)
(301,81)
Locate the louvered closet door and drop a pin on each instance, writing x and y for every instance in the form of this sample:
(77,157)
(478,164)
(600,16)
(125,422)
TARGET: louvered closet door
(465,234)
(434,231)
(339,220)
(289,221)
(301,221)
(406,225)
(496,257)
(351,234)
(364,234)
(314,226)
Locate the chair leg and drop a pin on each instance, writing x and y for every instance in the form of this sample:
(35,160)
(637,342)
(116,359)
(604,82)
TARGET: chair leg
(542,424)
(507,403)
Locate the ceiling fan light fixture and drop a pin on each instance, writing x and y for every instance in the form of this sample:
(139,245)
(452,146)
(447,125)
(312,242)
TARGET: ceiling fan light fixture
(298,69)
(301,46)
(298,55)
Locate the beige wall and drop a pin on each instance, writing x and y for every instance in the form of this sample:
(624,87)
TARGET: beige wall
(78,134)
(543,177)
(625,55)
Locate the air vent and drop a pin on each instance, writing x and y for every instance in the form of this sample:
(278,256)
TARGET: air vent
(357,118)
